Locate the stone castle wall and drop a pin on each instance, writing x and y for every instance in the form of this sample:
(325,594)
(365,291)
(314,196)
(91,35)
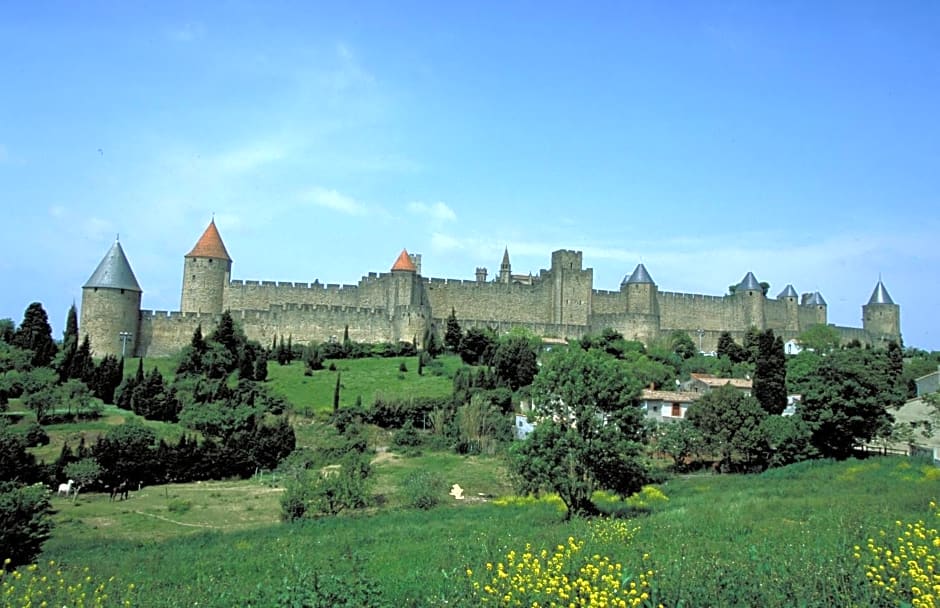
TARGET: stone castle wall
(401,305)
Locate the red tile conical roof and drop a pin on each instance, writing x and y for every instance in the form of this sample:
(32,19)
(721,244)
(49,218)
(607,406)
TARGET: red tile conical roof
(210,245)
(404,262)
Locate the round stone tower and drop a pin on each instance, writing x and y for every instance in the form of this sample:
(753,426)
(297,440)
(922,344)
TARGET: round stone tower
(750,293)
(111,306)
(206,271)
(881,317)
(640,291)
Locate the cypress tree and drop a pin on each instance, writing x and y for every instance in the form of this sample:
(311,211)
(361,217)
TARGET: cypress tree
(261,367)
(69,344)
(770,373)
(35,334)
(336,392)
(452,333)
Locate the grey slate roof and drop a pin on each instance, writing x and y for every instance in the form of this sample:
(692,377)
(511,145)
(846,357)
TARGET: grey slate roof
(749,282)
(114,271)
(880,295)
(816,300)
(640,275)
(788,292)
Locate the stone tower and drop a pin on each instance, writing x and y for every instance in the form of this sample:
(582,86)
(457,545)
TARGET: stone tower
(505,269)
(818,304)
(881,317)
(751,295)
(206,271)
(408,307)
(640,291)
(792,302)
(111,306)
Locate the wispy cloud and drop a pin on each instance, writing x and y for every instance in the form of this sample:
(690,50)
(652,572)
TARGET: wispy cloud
(332,199)
(436,211)
(186,32)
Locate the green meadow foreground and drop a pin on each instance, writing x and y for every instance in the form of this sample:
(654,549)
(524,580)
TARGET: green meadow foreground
(784,538)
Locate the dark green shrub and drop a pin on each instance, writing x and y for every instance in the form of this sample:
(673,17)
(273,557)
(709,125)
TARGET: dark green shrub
(423,490)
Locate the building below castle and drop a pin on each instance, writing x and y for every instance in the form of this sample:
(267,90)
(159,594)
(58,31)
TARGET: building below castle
(401,305)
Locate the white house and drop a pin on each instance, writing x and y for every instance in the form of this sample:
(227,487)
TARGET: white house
(792,347)
(665,406)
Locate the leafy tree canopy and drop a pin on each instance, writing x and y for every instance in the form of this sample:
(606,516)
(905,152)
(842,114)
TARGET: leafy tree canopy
(820,338)
(35,334)
(587,433)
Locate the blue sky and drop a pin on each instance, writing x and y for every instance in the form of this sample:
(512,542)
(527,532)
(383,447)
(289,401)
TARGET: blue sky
(796,140)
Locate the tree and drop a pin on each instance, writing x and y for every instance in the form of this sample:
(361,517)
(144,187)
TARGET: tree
(7,330)
(336,393)
(770,373)
(729,349)
(588,431)
(35,334)
(85,472)
(16,463)
(261,367)
(431,345)
(108,375)
(476,346)
(847,399)
(679,439)
(682,344)
(452,332)
(25,521)
(126,452)
(82,366)
(191,357)
(69,344)
(730,422)
(514,362)
(42,402)
(820,338)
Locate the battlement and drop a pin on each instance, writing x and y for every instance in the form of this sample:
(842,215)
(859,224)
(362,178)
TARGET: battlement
(675,295)
(175,314)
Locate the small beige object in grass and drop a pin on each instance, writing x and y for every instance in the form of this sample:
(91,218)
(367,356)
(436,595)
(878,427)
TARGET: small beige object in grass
(457,492)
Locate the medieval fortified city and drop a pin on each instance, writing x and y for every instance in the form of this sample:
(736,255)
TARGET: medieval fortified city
(402,305)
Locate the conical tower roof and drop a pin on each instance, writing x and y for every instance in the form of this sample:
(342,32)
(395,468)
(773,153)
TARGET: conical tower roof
(816,300)
(505,257)
(640,275)
(788,292)
(114,271)
(404,262)
(880,295)
(749,282)
(210,245)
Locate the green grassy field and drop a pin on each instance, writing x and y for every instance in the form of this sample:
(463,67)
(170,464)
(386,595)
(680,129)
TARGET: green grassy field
(781,539)
(365,378)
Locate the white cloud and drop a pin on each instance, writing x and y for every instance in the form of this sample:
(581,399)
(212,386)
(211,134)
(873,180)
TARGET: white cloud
(436,211)
(331,199)
(186,32)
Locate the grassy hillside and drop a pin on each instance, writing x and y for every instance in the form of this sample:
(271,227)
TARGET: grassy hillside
(781,539)
(365,378)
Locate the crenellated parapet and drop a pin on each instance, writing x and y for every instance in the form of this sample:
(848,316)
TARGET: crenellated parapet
(400,304)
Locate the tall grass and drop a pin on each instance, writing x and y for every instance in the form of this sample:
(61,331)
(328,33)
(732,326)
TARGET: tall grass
(782,539)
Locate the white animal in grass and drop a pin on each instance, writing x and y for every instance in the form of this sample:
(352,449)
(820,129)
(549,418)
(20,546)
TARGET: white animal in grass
(66,488)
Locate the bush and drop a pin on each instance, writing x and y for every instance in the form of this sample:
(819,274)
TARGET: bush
(25,521)
(423,490)
(296,498)
(406,437)
(36,436)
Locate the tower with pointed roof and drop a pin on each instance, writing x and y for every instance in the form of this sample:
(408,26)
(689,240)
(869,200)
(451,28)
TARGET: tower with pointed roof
(111,306)
(640,292)
(750,295)
(881,317)
(206,272)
